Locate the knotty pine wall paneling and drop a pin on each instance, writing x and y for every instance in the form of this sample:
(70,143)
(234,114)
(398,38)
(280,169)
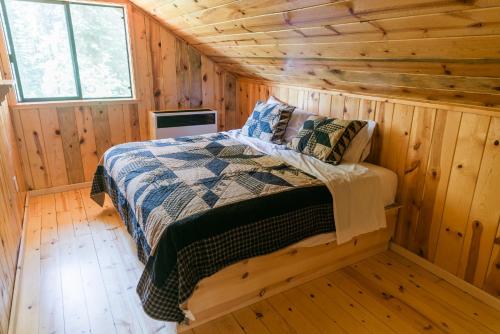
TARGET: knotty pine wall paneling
(446,159)
(61,143)
(446,51)
(12,197)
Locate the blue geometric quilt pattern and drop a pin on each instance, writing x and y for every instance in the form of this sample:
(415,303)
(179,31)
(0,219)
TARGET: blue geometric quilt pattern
(171,179)
(268,122)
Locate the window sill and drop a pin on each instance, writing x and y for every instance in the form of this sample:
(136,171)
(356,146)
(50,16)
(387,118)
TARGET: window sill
(72,103)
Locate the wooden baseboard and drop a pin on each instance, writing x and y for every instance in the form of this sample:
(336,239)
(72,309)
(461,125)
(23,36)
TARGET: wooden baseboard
(447,276)
(59,189)
(19,265)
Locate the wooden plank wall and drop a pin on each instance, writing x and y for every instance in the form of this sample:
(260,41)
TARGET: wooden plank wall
(61,143)
(429,50)
(447,161)
(12,199)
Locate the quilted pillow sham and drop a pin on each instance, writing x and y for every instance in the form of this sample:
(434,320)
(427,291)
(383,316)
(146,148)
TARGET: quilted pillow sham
(268,122)
(325,138)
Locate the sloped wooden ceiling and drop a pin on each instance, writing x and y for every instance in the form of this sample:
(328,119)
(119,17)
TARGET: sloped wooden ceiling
(445,50)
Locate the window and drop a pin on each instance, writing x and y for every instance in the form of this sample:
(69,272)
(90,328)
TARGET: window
(67,51)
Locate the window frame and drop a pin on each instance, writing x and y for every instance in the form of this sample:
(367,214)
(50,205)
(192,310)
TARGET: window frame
(73,54)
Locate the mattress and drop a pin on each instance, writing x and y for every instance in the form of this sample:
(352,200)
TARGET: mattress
(388,180)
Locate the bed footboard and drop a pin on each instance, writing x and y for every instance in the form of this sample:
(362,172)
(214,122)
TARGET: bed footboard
(251,280)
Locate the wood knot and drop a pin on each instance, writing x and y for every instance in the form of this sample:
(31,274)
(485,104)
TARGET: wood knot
(460,166)
(57,132)
(496,142)
(385,295)
(245,275)
(258,315)
(459,234)
(262,292)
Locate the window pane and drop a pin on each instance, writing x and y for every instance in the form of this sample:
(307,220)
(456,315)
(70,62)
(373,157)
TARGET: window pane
(41,45)
(101,50)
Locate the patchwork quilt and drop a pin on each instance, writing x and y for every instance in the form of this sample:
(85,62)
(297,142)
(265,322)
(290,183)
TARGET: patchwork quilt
(197,204)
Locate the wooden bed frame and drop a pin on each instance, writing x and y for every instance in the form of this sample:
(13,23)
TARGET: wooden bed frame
(251,280)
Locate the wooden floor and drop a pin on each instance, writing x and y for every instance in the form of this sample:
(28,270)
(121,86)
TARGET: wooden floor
(80,271)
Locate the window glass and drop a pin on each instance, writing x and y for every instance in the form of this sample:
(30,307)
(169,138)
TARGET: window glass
(62,50)
(101,47)
(42,49)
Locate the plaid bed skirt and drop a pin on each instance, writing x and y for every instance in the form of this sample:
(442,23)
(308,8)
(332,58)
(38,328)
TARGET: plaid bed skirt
(162,294)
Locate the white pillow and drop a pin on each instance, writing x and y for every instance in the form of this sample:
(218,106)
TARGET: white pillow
(298,118)
(366,151)
(356,151)
(273,100)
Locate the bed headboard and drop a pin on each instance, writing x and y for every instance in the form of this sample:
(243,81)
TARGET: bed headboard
(446,158)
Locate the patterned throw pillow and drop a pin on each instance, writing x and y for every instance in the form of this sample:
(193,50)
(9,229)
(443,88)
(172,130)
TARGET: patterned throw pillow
(268,122)
(325,138)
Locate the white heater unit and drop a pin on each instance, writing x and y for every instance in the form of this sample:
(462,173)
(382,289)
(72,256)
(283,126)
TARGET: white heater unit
(178,123)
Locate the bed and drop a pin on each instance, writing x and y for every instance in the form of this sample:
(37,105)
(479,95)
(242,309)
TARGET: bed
(221,220)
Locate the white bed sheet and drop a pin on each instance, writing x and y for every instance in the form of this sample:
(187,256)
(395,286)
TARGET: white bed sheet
(360,208)
(388,180)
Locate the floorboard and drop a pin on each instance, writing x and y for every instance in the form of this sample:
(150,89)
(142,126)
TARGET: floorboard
(80,271)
